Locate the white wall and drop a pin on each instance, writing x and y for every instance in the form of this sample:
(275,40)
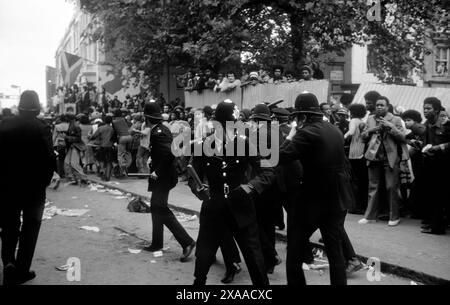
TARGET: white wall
(359,66)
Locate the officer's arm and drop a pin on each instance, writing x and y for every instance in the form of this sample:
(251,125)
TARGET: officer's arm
(291,150)
(264,170)
(160,143)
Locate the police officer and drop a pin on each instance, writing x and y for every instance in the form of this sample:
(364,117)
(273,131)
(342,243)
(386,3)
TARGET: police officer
(268,203)
(162,179)
(231,206)
(325,191)
(29,163)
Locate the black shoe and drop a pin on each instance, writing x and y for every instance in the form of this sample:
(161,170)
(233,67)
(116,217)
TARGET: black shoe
(425,227)
(229,275)
(9,275)
(25,277)
(152,248)
(431,231)
(187,252)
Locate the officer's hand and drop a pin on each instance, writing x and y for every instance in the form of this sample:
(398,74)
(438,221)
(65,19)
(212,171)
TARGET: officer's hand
(203,194)
(248,188)
(293,131)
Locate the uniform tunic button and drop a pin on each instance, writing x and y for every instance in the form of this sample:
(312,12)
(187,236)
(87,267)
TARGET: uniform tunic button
(224,174)
(224,163)
(237,161)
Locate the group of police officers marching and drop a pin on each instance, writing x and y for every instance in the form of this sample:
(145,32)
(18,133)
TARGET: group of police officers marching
(241,189)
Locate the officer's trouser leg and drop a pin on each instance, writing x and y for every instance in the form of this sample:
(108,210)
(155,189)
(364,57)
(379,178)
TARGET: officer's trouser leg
(248,241)
(209,238)
(331,228)
(229,250)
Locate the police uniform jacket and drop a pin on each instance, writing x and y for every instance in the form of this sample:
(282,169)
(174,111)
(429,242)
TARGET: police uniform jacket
(28,160)
(227,172)
(326,181)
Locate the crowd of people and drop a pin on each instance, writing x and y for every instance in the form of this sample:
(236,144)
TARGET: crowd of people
(373,159)
(226,82)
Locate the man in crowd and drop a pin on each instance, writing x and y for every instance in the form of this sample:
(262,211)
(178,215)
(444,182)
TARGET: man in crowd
(26,148)
(386,148)
(371,99)
(277,76)
(436,160)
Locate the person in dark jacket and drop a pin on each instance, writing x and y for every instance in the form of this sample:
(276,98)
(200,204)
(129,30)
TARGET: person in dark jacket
(162,179)
(325,190)
(75,147)
(28,165)
(436,152)
(230,205)
(105,137)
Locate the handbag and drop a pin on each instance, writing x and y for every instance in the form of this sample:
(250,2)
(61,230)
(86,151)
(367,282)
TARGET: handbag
(372,148)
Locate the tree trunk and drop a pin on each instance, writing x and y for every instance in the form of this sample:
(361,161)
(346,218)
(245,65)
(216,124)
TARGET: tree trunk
(297,39)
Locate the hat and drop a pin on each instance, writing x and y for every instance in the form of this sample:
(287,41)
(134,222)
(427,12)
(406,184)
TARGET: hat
(153,111)
(253,74)
(261,112)
(29,101)
(225,111)
(246,113)
(307,103)
(280,112)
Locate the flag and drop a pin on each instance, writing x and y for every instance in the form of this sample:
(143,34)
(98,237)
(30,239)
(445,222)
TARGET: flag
(70,67)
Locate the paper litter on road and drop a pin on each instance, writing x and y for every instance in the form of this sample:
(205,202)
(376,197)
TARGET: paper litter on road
(157,254)
(63,268)
(181,217)
(72,213)
(134,251)
(120,197)
(93,229)
(153,261)
(49,212)
(115,192)
(123,234)
(166,249)
(413,283)
(74,197)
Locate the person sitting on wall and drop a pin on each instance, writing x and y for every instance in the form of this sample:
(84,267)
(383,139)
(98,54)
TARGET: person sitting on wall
(306,73)
(230,83)
(210,81)
(278,77)
(253,79)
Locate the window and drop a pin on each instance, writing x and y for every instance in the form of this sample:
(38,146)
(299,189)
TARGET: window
(441,61)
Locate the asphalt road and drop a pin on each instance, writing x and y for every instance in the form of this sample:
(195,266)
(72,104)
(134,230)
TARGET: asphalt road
(105,258)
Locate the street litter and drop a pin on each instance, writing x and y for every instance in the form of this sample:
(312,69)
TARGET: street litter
(413,283)
(157,254)
(153,261)
(74,197)
(166,249)
(134,251)
(138,205)
(72,213)
(184,217)
(86,206)
(49,212)
(120,197)
(63,268)
(101,191)
(115,192)
(318,267)
(87,228)
(123,234)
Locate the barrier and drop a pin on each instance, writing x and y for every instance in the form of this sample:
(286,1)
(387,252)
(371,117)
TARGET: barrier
(406,96)
(250,95)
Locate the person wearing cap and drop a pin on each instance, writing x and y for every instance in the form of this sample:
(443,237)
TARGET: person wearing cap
(143,152)
(59,142)
(269,202)
(436,151)
(324,193)
(162,179)
(28,165)
(306,73)
(230,205)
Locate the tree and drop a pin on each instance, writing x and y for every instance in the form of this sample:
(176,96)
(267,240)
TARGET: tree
(195,33)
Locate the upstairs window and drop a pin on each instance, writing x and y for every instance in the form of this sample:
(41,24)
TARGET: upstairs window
(441,62)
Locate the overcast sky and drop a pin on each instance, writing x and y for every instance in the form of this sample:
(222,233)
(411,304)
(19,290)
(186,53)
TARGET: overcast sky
(30,32)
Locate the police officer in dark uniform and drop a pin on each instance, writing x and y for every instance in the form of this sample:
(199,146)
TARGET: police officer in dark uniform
(162,179)
(231,206)
(268,203)
(28,165)
(325,192)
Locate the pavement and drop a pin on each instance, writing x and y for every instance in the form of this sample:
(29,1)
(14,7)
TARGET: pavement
(112,255)
(402,250)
